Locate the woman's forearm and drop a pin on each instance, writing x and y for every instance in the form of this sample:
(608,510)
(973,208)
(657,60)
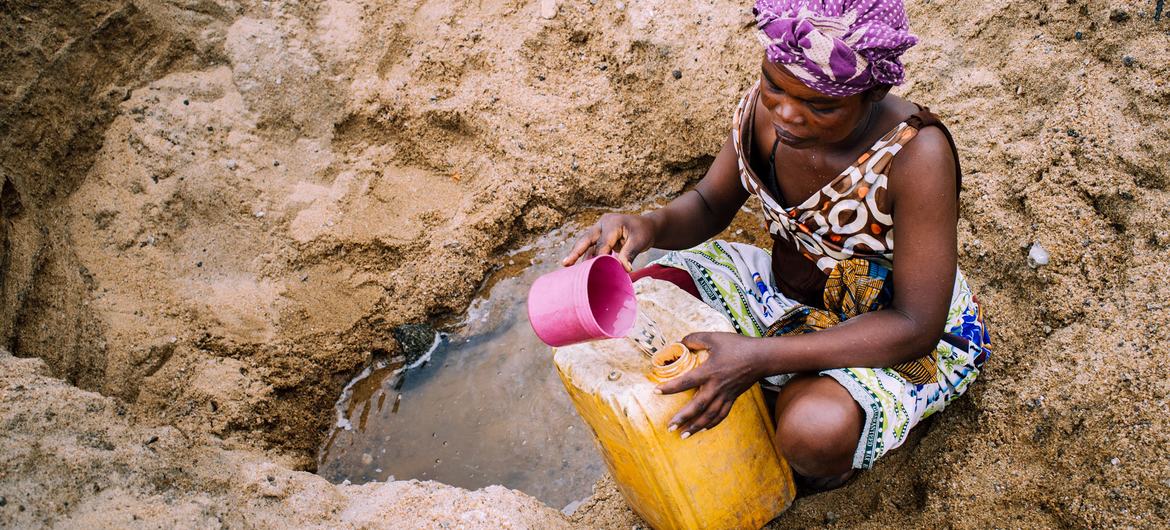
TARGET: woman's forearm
(879,339)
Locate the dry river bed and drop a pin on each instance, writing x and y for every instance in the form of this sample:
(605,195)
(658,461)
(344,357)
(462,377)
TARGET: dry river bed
(214,213)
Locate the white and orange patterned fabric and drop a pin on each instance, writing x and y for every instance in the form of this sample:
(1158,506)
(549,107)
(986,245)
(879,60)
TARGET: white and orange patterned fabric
(848,218)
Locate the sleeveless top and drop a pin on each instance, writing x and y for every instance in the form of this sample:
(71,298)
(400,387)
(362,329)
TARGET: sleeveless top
(850,217)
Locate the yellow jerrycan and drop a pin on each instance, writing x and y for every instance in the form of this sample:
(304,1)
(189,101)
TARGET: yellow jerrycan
(731,476)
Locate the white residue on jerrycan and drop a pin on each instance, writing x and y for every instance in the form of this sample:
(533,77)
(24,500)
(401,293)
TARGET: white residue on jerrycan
(731,476)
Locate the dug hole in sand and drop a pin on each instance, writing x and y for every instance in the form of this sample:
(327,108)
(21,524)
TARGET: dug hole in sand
(213,213)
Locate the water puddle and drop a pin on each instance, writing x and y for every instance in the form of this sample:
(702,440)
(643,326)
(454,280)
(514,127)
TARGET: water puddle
(484,406)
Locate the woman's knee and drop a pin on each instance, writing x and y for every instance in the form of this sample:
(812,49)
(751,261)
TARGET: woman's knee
(818,425)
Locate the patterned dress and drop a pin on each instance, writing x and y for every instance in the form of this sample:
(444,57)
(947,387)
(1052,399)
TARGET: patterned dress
(847,230)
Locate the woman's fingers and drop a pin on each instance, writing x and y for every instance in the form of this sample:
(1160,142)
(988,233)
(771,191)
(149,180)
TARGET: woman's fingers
(697,341)
(612,232)
(637,238)
(723,412)
(713,415)
(601,239)
(686,381)
(697,406)
(703,418)
(631,247)
(622,235)
(582,245)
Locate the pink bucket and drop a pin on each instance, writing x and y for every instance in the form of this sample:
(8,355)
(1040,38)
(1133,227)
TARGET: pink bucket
(593,299)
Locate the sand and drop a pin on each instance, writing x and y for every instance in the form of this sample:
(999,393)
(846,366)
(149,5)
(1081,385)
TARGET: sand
(213,213)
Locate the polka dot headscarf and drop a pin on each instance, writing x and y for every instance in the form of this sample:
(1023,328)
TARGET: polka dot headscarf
(837,47)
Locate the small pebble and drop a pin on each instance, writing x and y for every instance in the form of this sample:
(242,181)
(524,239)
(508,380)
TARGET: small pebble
(1038,256)
(1078,35)
(548,9)
(305,278)
(677,74)
(1127,60)
(259,214)
(1118,15)
(1073,133)
(3,501)
(831,517)
(1115,461)
(620,6)
(231,164)
(186,102)
(276,163)
(198,263)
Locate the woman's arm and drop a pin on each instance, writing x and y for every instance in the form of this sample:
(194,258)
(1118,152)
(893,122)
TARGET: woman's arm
(925,208)
(688,220)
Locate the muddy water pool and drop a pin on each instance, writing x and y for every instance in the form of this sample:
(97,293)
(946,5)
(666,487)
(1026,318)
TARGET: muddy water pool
(484,406)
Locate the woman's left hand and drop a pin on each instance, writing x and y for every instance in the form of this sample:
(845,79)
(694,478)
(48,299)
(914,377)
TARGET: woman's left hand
(731,368)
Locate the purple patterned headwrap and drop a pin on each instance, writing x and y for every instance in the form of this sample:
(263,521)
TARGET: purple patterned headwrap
(836,47)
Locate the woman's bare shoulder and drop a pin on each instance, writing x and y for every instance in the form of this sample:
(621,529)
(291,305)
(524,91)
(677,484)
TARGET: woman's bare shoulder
(899,109)
(926,167)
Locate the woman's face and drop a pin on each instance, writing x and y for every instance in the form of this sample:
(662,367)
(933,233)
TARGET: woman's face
(803,117)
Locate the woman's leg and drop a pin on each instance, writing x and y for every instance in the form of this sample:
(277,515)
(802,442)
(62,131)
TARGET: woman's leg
(818,425)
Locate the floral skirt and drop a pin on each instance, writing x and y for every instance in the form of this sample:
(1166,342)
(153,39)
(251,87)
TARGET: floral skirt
(736,279)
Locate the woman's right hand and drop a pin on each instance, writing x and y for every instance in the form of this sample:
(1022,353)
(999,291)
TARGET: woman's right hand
(628,235)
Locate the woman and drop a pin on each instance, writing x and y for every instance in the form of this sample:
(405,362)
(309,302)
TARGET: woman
(861,350)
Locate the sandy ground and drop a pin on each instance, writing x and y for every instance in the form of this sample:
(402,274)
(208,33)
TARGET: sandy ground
(76,459)
(213,212)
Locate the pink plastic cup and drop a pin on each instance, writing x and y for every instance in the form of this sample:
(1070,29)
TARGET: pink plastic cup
(593,299)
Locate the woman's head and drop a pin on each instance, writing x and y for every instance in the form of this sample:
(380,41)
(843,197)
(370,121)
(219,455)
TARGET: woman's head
(826,61)
(836,47)
(804,117)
